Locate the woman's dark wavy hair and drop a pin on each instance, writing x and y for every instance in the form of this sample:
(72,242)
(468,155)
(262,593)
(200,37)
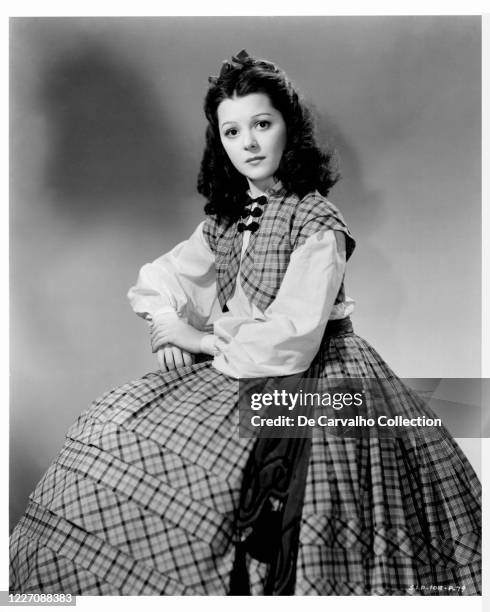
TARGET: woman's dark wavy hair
(304,166)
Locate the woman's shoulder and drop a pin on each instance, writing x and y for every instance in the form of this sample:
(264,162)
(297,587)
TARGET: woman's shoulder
(316,209)
(314,213)
(314,204)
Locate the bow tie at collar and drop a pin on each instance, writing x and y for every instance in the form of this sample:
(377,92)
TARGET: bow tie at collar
(251,212)
(251,227)
(248,211)
(260,201)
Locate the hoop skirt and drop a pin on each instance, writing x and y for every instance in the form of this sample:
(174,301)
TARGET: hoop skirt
(141,500)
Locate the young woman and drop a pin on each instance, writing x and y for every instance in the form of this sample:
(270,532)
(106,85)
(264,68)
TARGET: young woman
(155,492)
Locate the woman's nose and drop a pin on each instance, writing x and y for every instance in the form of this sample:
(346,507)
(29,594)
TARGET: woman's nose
(250,143)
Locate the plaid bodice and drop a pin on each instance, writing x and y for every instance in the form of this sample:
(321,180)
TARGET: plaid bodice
(285,225)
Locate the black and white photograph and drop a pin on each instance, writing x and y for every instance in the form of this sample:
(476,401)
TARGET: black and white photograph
(201,204)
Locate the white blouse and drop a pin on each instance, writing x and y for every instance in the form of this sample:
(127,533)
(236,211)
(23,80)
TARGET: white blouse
(247,342)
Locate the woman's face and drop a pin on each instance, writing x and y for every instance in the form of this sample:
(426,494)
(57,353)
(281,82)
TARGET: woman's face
(253,134)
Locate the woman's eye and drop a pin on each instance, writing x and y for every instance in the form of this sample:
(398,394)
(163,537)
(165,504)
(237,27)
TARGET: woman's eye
(231,132)
(263,124)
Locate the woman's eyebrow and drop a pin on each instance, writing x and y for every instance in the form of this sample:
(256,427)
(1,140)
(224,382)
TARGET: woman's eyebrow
(252,117)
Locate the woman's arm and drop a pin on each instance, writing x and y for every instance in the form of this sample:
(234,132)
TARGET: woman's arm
(178,286)
(182,281)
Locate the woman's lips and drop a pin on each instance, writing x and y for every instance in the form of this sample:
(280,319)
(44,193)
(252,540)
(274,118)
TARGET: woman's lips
(255,160)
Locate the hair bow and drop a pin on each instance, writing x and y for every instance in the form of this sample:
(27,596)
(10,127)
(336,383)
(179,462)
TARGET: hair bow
(242,58)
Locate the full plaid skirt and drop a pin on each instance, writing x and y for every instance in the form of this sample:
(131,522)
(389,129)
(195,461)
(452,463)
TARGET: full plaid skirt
(141,500)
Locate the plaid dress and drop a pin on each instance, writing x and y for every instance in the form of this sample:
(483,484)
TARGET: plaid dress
(143,497)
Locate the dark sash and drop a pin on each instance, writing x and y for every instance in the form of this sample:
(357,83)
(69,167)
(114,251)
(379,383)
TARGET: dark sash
(271,499)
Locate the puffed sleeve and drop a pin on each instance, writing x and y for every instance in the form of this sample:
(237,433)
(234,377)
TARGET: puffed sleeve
(183,281)
(286,338)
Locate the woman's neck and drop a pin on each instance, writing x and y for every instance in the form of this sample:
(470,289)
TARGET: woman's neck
(255,190)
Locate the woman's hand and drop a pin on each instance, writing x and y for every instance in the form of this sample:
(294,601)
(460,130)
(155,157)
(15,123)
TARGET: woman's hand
(172,357)
(168,328)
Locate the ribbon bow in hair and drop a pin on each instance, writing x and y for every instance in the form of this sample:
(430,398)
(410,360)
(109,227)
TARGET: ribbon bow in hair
(241,59)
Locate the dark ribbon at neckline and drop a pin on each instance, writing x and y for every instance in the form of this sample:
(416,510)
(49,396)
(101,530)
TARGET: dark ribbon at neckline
(248,211)
(261,200)
(251,212)
(251,227)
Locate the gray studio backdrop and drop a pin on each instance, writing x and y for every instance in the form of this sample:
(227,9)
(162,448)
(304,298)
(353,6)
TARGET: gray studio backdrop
(107,132)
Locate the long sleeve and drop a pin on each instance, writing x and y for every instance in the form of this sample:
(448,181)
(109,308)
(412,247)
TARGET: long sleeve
(183,280)
(285,339)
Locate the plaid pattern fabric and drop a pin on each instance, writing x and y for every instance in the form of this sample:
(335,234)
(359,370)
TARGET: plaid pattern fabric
(285,225)
(142,498)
